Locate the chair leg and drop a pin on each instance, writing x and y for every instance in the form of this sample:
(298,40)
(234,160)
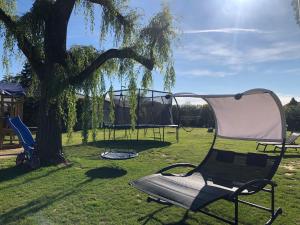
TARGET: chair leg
(274,214)
(236,211)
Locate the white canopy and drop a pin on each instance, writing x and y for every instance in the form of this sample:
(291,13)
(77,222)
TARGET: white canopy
(253,115)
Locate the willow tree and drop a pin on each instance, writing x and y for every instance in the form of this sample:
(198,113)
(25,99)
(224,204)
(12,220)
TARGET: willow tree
(296,7)
(41,34)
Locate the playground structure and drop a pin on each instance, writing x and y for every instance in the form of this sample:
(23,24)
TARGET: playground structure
(153,111)
(11,105)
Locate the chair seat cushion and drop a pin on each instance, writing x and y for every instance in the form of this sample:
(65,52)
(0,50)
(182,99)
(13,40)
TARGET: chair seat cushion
(191,192)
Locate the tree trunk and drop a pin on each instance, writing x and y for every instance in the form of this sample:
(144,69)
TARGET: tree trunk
(49,129)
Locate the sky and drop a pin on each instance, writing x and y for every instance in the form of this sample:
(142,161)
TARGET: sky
(224,46)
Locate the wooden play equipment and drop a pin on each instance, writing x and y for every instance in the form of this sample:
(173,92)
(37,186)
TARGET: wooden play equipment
(11,104)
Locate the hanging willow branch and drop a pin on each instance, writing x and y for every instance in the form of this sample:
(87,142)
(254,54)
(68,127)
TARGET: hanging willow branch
(71,114)
(112,105)
(41,34)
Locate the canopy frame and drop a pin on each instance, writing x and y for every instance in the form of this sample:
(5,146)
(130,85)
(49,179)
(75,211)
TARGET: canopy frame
(237,97)
(216,136)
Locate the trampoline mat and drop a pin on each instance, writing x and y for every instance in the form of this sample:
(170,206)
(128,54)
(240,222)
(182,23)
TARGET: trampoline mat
(118,155)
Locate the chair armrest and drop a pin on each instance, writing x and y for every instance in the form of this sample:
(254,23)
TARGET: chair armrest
(175,166)
(254,183)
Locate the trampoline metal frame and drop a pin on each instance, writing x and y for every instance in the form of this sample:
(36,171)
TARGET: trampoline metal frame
(157,129)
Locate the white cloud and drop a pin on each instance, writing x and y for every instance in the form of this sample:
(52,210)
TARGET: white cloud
(292,71)
(229,30)
(284,71)
(224,53)
(209,50)
(278,51)
(204,73)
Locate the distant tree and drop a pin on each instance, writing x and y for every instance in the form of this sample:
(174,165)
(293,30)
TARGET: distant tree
(9,78)
(292,114)
(28,79)
(41,35)
(296,7)
(293,102)
(25,77)
(208,116)
(194,116)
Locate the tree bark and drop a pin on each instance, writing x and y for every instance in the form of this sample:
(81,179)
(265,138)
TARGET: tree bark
(49,129)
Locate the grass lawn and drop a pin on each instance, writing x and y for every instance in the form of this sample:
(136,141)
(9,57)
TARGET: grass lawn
(95,191)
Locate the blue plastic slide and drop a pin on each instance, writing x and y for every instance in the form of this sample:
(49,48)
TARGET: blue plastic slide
(29,155)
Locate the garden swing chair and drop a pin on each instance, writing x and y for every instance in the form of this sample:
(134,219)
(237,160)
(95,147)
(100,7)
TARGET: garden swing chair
(255,115)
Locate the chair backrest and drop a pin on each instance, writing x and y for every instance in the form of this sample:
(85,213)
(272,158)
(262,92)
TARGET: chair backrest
(21,130)
(292,138)
(232,169)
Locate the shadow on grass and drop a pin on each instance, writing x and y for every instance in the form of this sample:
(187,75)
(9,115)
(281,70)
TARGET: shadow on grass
(105,173)
(17,171)
(12,172)
(38,204)
(138,146)
(289,154)
(45,201)
(151,217)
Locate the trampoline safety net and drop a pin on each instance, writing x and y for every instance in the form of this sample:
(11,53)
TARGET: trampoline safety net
(153,108)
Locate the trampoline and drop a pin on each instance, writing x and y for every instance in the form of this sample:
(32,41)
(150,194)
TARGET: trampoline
(154,112)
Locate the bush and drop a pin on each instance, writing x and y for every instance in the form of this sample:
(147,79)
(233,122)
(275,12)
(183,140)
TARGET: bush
(194,116)
(292,115)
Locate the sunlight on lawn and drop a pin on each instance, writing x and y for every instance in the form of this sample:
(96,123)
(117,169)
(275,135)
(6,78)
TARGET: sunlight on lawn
(94,191)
